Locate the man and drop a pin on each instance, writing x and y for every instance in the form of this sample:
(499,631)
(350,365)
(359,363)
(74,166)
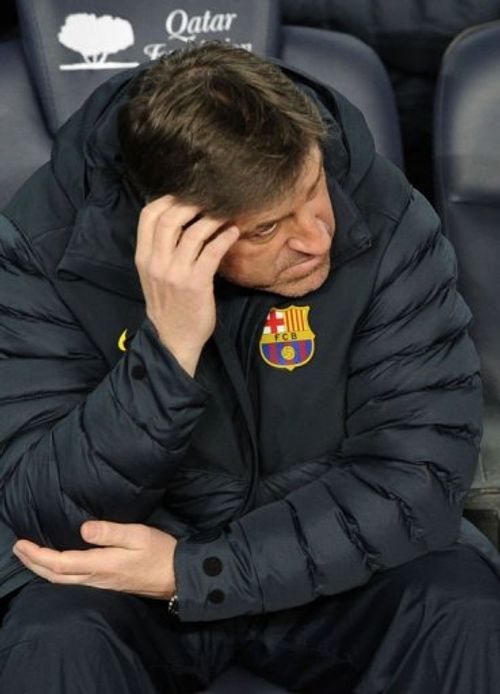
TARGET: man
(241,410)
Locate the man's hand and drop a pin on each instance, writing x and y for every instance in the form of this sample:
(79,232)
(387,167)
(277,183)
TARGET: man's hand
(177,256)
(130,558)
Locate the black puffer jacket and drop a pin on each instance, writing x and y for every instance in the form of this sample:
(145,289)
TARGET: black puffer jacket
(301,482)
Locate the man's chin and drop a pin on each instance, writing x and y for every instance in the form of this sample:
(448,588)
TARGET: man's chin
(295,288)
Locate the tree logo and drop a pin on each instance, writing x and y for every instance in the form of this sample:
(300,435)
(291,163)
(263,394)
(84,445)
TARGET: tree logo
(95,38)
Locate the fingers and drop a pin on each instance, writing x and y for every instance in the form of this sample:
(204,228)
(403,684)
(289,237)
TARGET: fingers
(166,227)
(164,214)
(54,565)
(61,567)
(195,238)
(108,534)
(146,570)
(213,252)
(177,255)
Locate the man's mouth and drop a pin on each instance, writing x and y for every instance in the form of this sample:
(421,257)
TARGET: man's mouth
(305,267)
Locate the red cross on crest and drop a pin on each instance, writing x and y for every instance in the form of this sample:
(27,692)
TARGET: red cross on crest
(275,322)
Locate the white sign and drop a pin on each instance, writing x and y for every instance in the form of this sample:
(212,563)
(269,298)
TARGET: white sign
(181,27)
(95,38)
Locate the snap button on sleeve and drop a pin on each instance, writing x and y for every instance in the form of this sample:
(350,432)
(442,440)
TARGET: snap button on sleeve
(216,596)
(212,566)
(138,372)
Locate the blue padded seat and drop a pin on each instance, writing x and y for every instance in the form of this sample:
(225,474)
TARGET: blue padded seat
(38,95)
(355,70)
(62,39)
(24,139)
(467,168)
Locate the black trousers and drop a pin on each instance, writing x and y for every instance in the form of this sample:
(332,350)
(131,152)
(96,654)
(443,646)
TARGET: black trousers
(431,626)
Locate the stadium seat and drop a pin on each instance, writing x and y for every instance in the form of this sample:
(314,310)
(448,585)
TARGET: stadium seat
(353,68)
(50,70)
(73,46)
(467,168)
(24,139)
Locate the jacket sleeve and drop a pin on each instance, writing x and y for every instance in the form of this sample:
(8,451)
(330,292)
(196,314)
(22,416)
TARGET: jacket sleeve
(395,489)
(78,441)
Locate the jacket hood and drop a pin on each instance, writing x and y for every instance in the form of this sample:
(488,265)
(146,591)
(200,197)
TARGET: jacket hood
(87,165)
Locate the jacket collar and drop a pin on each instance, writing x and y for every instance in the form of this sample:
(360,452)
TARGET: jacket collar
(352,235)
(102,244)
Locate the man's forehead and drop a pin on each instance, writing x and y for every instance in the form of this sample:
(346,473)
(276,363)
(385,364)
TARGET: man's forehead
(306,182)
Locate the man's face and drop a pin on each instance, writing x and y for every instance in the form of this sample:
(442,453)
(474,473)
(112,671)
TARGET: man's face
(286,249)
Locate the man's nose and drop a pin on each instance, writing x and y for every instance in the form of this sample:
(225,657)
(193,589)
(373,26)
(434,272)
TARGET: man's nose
(311,235)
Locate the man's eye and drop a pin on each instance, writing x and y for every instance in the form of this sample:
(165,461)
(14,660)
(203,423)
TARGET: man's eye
(263,233)
(267,230)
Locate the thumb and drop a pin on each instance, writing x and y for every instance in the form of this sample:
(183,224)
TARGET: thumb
(106,534)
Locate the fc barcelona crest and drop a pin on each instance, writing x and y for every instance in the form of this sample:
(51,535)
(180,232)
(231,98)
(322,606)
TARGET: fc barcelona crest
(287,341)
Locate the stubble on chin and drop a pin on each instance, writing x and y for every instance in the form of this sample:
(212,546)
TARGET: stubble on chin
(295,289)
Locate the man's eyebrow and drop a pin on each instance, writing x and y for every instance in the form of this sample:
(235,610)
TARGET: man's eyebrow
(270,222)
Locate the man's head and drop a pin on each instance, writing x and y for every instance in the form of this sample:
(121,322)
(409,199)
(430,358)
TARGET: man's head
(220,128)
(285,248)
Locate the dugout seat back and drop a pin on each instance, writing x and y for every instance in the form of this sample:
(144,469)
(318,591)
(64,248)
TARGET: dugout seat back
(353,68)
(24,139)
(467,168)
(70,47)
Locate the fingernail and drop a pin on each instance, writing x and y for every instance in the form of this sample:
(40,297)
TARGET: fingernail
(89,531)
